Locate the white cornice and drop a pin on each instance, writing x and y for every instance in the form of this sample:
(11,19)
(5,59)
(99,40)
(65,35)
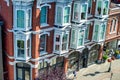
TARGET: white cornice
(8,2)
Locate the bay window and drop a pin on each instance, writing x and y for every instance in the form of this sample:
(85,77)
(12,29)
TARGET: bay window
(61,41)
(99,31)
(43,41)
(62,15)
(77,38)
(22,16)
(43,15)
(22,46)
(102,8)
(80,12)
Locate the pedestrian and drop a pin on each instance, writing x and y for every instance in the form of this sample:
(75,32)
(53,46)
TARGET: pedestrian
(74,73)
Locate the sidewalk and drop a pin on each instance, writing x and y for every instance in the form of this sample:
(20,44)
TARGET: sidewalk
(99,72)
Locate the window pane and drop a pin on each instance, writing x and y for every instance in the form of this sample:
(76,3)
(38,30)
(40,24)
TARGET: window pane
(43,15)
(84,10)
(102,32)
(57,47)
(20,47)
(66,14)
(99,7)
(59,15)
(20,18)
(43,43)
(28,47)
(105,10)
(89,6)
(96,32)
(80,38)
(87,31)
(64,41)
(28,18)
(20,74)
(76,11)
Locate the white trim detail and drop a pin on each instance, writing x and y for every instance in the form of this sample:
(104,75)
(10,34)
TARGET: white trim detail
(10,57)
(8,2)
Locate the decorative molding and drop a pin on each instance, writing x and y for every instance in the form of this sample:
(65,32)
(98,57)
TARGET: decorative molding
(10,57)
(8,2)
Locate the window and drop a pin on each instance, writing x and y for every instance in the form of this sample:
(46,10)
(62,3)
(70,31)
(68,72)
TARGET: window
(59,15)
(64,41)
(80,37)
(84,12)
(99,31)
(42,44)
(76,12)
(87,32)
(89,6)
(42,65)
(102,31)
(66,14)
(96,32)
(102,7)
(20,48)
(113,25)
(61,41)
(28,20)
(20,18)
(43,15)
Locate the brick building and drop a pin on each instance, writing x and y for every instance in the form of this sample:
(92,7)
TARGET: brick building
(42,33)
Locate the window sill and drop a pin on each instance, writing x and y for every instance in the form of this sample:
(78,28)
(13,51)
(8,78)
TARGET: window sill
(42,53)
(89,16)
(44,25)
(86,41)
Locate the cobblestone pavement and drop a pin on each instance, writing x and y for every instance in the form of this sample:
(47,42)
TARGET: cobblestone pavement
(99,72)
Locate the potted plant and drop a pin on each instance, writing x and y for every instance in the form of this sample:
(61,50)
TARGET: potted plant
(105,56)
(117,54)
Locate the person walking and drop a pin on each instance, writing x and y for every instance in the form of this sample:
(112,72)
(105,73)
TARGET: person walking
(74,73)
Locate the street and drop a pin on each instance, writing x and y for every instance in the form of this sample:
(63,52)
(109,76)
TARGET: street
(99,72)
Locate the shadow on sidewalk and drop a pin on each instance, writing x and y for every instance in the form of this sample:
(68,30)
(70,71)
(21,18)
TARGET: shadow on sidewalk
(95,73)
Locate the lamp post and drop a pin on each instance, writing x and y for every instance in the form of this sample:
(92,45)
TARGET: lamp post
(110,60)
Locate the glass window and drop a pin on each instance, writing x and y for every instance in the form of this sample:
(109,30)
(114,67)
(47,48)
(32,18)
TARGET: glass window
(83,12)
(113,25)
(20,18)
(59,15)
(43,14)
(96,32)
(87,32)
(80,37)
(64,41)
(102,31)
(99,7)
(76,12)
(89,6)
(20,48)
(28,47)
(28,23)
(57,45)
(105,9)
(66,14)
(73,41)
(42,43)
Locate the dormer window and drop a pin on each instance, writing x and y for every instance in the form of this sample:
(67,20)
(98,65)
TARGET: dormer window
(80,12)
(62,15)
(102,7)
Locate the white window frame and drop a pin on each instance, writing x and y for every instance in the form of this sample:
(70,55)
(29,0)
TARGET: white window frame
(90,14)
(25,9)
(24,38)
(44,52)
(101,14)
(63,8)
(49,7)
(114,23)
(75,45)
(79,12)
(100,24)
(60,33)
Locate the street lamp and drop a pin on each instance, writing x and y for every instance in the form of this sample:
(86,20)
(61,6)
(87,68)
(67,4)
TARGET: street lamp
(110,60)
